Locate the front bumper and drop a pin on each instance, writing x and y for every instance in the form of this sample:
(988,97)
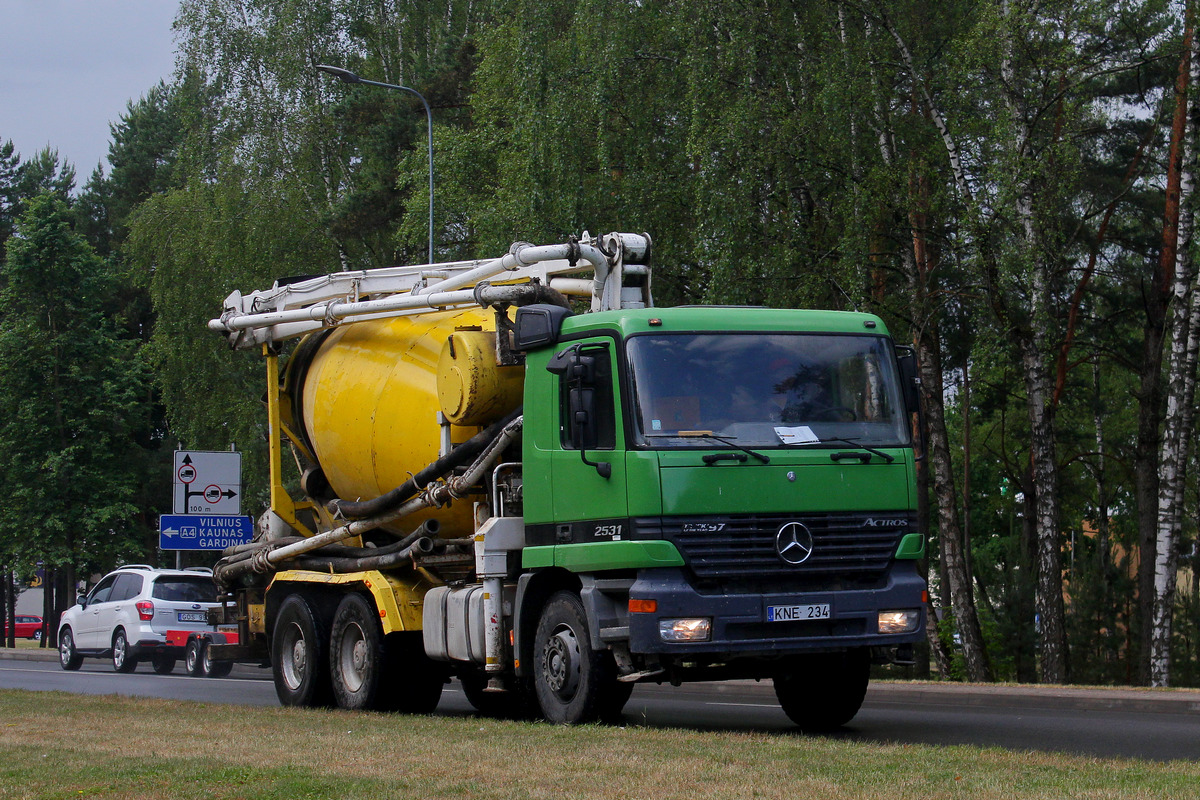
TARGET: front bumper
(740,625)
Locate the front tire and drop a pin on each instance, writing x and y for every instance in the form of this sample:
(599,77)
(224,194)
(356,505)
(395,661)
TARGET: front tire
(298,661)
(574,683)
(823,692)
(68,656)
(122,654)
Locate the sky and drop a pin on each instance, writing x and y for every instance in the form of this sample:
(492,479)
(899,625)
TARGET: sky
(70,67)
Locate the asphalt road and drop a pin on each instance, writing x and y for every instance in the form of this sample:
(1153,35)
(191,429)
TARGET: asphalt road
(1153,725)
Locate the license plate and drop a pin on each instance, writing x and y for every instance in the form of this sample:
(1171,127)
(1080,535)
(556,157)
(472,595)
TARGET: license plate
(797,613)
(193,616)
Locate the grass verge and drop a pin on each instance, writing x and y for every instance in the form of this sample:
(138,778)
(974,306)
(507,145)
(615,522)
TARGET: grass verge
(65,747)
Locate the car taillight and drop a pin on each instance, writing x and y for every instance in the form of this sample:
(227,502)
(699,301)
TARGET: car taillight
(145,610)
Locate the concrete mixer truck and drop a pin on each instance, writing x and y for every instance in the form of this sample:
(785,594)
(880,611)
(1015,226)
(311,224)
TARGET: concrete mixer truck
(518,473)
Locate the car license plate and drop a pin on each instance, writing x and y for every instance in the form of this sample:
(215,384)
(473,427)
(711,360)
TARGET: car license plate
(193,616)
(798,612)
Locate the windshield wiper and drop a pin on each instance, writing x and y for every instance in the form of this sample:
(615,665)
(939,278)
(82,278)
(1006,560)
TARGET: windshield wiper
(723,440)
(838,440)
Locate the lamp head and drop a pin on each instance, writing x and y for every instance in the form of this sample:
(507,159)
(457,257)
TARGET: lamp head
(344,75)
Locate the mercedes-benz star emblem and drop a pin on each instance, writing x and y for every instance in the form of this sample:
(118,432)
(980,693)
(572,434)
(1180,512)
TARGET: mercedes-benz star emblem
(794,543)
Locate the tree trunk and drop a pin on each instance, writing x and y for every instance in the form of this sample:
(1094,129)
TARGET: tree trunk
(966,622)
(10,607)
(937,648)
(1048,554)
(4,589)
(1181,375)
(1146,453)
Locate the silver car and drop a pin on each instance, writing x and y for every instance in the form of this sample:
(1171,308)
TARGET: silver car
(127,617)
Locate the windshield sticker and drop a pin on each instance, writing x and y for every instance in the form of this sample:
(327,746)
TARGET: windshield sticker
(801,434)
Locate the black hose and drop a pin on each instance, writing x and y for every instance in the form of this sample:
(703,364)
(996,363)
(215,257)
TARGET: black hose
(459,456)
(421,546)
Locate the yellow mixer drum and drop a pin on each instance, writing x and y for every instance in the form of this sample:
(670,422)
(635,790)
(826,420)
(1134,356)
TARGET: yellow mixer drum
(369,398)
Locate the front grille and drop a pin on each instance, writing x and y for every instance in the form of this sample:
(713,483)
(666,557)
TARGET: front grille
(742,547)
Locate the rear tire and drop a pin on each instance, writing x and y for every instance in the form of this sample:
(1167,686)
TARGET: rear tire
(210,668)
(68,656)
(370,670)
(357,660)
(192,663)
(823,692)
(298,655)
(122,655)
(164,665)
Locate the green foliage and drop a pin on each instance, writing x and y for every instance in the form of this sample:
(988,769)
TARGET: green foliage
(71,399)
(21,180)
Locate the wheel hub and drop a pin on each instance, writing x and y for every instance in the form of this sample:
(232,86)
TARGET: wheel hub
(562,662)
(294,658)
(355,658)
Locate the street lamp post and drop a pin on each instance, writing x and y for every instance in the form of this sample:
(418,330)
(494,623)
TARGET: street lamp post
(346,76)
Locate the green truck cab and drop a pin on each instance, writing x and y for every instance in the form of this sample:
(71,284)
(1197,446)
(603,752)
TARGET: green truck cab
(730,490)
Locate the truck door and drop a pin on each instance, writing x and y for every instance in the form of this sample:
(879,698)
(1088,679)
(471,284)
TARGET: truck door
(588,471)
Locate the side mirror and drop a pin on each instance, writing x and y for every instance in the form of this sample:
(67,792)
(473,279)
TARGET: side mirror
(910,378)
(538,325)
(81,600)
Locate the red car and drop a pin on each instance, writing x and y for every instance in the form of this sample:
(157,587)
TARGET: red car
(28,627)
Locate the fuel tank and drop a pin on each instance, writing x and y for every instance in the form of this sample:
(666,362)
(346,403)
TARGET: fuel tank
(366,397)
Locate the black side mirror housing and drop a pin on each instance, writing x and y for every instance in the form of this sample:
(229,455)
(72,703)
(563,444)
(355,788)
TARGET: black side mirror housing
(538,325)
(910,378)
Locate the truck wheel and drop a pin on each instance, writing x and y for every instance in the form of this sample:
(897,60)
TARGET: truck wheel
(122,658)
(574,683)
(372,671)
(68,656)
(164,665)
(191,658)
(823,692)
(210,668)
(356,655)
(298,661)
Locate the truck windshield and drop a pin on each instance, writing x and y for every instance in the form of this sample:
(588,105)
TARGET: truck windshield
(765,390)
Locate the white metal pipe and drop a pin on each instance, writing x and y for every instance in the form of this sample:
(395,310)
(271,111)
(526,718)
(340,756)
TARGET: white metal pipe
(493,632)
(524,255)
(231,322)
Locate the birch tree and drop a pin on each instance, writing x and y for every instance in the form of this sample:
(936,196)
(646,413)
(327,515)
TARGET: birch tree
(1184,345)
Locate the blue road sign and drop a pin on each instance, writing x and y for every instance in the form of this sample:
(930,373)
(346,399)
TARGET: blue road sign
(202,531)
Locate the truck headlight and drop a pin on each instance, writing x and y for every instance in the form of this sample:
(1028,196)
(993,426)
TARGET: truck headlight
(899,621)
(697,629)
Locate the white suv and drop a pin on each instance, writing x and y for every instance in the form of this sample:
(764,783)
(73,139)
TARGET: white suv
(129,613)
